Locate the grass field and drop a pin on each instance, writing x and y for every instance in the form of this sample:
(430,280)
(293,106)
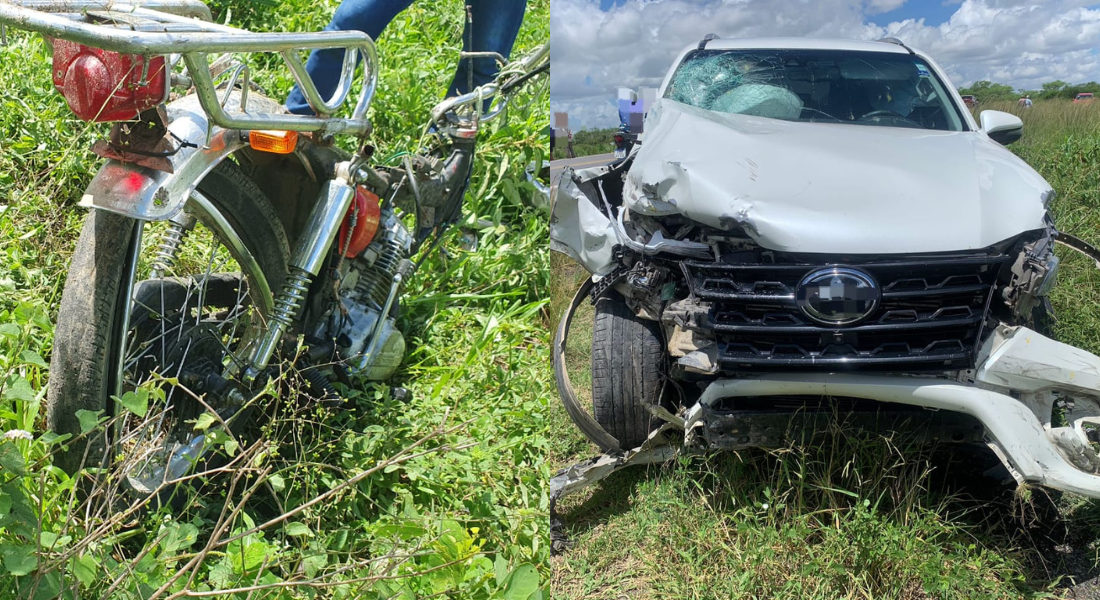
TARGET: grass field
(851,517)
(462,515)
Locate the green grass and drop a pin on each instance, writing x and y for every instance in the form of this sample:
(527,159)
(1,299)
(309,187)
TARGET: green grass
(461,515)
(852,516)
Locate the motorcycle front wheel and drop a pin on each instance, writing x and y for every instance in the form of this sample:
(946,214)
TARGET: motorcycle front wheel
(136,316)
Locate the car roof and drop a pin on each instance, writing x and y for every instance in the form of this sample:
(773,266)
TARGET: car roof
(795,43)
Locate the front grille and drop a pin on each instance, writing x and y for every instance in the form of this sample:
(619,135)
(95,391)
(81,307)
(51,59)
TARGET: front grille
(929,318)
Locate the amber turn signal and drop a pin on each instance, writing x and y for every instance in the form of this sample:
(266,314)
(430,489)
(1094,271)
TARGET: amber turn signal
(276,142)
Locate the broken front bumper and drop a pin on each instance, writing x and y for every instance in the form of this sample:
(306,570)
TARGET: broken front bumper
(1037,400)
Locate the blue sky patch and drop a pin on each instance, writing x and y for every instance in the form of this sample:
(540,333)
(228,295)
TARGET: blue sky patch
(934,12)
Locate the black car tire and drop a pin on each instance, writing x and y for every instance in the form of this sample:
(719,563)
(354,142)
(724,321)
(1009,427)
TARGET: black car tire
(628,366)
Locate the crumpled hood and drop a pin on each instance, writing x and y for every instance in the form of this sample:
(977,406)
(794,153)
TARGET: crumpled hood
(831,187)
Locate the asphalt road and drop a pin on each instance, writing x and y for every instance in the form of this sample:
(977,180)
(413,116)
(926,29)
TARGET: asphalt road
(581,162)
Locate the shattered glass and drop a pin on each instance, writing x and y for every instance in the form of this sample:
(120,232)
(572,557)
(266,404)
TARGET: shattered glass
(829,86)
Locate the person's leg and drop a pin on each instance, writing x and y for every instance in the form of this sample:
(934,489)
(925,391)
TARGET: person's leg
(324,66)
(495,26)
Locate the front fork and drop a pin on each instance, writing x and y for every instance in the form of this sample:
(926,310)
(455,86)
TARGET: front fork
(309,254)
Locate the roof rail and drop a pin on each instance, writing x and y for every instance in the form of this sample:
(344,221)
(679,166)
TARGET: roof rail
(896,41)
(706,38)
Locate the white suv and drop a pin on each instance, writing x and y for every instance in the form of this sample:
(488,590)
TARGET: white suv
(816,226)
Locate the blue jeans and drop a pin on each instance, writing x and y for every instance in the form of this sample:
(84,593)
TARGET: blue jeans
(494,28)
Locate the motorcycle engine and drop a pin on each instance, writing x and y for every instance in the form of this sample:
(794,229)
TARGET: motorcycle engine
(365,284)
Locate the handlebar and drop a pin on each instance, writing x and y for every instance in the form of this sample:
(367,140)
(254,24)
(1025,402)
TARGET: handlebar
(182,27)
(510,75)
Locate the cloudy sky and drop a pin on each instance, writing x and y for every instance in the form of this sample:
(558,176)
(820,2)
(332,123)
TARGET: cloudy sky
(601,45)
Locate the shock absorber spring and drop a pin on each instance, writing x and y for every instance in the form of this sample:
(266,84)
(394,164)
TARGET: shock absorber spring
(165,257)
(292,297)
(309,254)
(287,304)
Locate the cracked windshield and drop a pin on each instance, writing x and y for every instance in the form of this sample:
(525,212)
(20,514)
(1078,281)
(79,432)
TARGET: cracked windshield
(860,88)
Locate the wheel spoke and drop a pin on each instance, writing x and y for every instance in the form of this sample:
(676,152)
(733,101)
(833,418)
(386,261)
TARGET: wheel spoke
(190,321)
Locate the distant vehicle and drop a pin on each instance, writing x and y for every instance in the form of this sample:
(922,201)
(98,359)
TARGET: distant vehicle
(970,101)
(624,141)
(1084,98)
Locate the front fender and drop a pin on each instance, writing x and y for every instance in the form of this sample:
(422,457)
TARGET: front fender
(151,195)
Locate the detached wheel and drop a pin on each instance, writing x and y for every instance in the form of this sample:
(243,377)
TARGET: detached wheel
(628,360)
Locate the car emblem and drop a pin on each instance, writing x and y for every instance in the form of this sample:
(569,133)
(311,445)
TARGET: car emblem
(837,295)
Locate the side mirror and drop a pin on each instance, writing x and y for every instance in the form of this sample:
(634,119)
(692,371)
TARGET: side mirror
(1001,127)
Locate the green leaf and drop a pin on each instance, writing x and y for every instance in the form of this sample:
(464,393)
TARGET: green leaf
(136,401)
(86,568)
(406,531)
(314,563)
(88,419)
(277,482)
(177,536)
(10,330)
(19,560)
(231,447)
(19,389)
(11,459)
(204,421)
(296,529)
(522,583)
(47,539)
(32,358)
(221,575)
(500,569)
(249,557)
(47,587)
(510,193)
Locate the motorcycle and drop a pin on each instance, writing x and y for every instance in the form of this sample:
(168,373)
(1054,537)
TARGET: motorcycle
(224,230)
(624,142)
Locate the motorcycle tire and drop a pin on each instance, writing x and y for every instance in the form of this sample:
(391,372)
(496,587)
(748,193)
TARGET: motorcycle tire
(87,344)
(628,364)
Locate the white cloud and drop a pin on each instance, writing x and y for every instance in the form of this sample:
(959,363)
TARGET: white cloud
(1020,42)
(875,7)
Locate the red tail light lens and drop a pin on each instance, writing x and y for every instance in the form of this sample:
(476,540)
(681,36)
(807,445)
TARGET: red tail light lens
(107,86)
(618,139)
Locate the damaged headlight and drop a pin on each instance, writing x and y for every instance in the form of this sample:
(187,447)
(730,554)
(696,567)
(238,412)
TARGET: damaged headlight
(1033,276)
(1050,278)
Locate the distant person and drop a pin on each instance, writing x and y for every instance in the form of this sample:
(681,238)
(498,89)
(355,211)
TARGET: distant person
(1027,101)
(569,147)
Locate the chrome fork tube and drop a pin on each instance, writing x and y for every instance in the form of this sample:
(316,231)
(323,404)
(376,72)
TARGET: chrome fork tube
(309,255)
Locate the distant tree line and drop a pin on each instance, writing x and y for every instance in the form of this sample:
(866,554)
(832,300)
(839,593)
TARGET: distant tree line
(587,142)
(987,91)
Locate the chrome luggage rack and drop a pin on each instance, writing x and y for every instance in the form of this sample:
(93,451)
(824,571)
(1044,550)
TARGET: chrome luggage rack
(182,30)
